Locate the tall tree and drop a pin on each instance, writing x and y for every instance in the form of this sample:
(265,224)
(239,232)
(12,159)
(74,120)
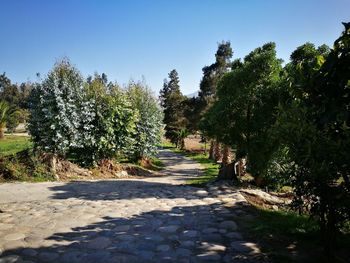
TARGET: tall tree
(58,110)
(213,73)
(149,124)
(243,112)
(315,126)
(172,102)
(208,87)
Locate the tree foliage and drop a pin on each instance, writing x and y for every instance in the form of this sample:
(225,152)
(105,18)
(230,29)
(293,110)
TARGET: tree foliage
(172,102)
(244,110)
(293,124)
(314,125)
(149,123)
(59,110)
(82,120)
(3,117)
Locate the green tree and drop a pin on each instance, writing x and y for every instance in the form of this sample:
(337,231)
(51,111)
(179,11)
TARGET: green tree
(315,126)
(208,87)
(113,121)
(243,112)
(3,117)
(172,102)
(213,73)
(149,123)
(13,119)
(58,111)
(192,113)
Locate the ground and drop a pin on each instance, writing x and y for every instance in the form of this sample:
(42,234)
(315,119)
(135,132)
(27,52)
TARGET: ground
(156,219)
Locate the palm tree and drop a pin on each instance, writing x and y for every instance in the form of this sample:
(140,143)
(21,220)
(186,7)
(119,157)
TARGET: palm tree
(3,116)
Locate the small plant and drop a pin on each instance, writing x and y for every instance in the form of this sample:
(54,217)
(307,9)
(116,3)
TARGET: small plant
(25,166)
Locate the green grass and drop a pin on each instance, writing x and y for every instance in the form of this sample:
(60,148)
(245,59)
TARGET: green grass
(211,169)
(167,145)
(285,222)
(287,236)
(14,144)
(157,164)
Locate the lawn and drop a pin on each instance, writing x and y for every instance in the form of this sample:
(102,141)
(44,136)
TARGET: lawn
(13,144)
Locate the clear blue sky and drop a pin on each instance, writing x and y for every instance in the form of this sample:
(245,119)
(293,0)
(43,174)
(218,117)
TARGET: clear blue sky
(130,38)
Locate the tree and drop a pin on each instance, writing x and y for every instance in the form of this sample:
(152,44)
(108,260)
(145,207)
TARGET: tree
(208,86)
(87,121)
(172,102)
(149,123)
(10,94)
(13,119)
(243,112)
(316,129)
(213,73)
(4,82)
(192,111)
(113,121)
(24,93)
(58,111)
(3,117)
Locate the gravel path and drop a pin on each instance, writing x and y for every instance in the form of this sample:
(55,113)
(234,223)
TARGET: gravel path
(150,220)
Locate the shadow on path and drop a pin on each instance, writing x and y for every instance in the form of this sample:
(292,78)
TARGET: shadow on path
(123,189)
(183,234)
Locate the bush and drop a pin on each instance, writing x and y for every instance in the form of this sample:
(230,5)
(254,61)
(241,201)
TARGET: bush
(84,121)
(13,119)
(149,123)
(25,166)
(60,115)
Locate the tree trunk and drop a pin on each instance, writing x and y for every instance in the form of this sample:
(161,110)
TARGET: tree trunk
(2,135)
(217,151)
(226,158)
(211,150)
(259,180)
(227,172)
(182,144)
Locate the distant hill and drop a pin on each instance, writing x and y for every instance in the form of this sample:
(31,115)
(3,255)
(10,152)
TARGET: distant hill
(192,95)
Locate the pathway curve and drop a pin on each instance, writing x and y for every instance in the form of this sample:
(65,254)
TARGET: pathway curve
(150,220)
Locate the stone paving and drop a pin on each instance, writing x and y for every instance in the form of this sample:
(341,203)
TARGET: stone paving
(155,219)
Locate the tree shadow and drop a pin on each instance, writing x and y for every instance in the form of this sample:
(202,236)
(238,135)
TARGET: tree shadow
(183,234)
(123,189)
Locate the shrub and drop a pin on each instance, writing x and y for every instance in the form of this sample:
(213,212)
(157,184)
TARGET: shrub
(149,123)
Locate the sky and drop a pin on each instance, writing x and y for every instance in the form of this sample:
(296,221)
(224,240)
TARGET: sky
(131,39)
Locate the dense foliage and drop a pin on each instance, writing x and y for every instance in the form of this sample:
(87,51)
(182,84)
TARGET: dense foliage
(149,123)
(92,120)
(291,124)
(314,126)
(16,98)
(172,102)
(61,115)
(244,110)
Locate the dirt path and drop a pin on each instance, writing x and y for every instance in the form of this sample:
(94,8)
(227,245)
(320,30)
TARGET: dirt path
(149,220)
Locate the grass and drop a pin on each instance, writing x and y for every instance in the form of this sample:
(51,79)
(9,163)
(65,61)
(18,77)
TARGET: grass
(287,236)
(13,144)
(157,164)
(211,169)
(285,222)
